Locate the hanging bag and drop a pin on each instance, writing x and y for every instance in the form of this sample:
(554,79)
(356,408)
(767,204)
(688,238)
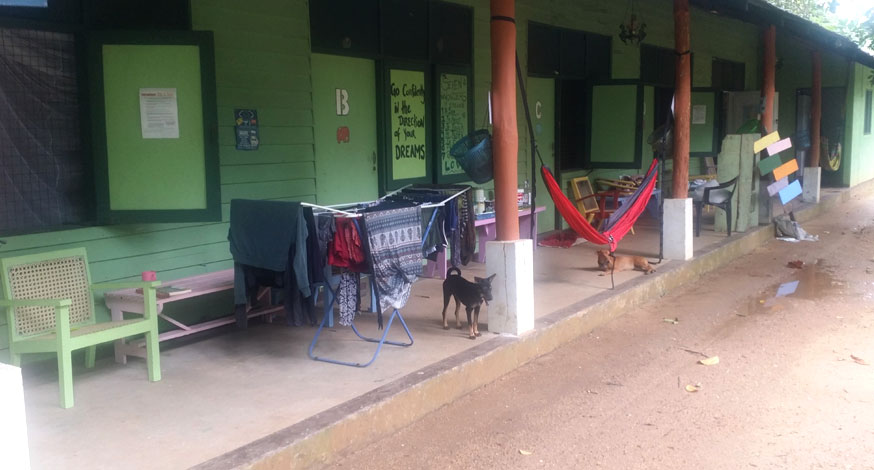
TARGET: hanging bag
(474,154)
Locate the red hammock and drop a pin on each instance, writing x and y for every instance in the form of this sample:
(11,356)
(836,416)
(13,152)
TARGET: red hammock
(616,227)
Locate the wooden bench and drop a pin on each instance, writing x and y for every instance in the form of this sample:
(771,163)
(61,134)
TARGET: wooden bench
(128,300)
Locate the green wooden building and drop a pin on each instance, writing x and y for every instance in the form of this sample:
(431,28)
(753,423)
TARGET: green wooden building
(128,127)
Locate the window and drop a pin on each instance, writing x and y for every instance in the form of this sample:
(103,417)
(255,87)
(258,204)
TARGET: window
(47,174)
(568,53)
(867,128)
(657,65)
(45,179)
(728,75)
(576,59)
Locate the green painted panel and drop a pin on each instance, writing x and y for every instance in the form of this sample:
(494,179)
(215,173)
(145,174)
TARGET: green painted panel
(407,123)
(271,172)
(648,126)
(703,124)
(346,171)
(229,155)
(163,173)
(135,244)
(270,134)
(268,190)
(114,269)
(614,123)
(541,99)
(256,98)
(273,116)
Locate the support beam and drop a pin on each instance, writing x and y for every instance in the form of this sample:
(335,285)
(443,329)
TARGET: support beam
(682,100)
(815,110)
(768,80)
(505,134)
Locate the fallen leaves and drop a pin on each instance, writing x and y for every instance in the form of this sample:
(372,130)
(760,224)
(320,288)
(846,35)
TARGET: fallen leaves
(858,360)
(525,452)
(672,321)
(797,264)
(710,361)
(693,388)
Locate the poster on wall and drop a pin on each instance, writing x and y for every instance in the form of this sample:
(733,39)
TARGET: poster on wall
(453,118)
(407,110)
(159,113)
(246,129)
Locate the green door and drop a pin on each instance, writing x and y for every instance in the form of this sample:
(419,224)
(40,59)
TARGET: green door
(541,99)
(344,126)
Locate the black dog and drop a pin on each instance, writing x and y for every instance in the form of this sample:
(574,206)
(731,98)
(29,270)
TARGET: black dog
(471,294)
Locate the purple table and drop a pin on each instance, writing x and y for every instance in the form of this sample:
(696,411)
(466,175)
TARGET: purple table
(485,231)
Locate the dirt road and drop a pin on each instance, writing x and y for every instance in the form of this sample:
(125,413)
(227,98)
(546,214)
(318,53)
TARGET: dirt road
(791,388)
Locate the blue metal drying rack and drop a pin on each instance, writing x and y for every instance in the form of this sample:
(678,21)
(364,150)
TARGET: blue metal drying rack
(331,297)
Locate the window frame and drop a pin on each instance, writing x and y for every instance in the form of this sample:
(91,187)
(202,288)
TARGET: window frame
(385,174)
(437,144)
(98,139)
(588,163)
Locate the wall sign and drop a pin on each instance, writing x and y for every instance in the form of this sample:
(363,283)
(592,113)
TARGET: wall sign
(407,110)
(159,113)
(246,129)
(453,118)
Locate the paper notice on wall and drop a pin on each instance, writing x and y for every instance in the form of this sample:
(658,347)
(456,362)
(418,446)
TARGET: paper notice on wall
(159,113)
(699,114)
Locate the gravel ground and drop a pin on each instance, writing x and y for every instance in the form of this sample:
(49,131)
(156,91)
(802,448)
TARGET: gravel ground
(793,388)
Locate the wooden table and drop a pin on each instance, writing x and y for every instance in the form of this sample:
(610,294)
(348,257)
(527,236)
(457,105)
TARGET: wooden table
(485,231)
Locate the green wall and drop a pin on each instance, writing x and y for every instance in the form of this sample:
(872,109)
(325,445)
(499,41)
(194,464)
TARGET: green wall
(860,148)
(796,71)
(262,62)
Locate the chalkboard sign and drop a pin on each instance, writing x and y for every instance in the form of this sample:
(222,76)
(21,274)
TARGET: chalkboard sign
(453,118)
(409,146)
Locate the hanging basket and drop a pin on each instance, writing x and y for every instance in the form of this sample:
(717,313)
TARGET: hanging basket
(474,154)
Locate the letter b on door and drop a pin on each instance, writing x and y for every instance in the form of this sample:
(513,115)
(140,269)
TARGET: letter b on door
(342,102)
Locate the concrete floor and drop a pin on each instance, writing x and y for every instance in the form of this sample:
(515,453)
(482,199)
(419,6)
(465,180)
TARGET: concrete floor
(225,389)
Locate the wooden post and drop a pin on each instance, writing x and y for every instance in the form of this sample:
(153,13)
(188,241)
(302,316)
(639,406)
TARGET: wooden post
(768,74)
(505,134)
(682,100)
(815,110)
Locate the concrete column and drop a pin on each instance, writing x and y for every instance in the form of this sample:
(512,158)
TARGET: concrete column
(811,184)
(677,226)
(768,77)
(512,309)
(13,431)
(505,134)
(682,100)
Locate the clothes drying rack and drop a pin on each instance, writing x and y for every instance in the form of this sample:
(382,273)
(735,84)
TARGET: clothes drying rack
(331,293)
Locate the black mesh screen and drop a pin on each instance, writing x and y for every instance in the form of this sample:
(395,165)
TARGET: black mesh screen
(43,179)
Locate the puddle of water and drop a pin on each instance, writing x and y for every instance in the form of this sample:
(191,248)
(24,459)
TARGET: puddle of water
(812,282)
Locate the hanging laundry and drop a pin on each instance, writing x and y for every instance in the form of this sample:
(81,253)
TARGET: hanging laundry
(395,245)
(347,249)
(466,228)
(349,296)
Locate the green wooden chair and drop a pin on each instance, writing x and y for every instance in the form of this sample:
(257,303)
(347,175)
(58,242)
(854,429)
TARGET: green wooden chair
(50,305)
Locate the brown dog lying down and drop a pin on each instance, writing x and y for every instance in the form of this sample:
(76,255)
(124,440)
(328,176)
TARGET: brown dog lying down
(622,263)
